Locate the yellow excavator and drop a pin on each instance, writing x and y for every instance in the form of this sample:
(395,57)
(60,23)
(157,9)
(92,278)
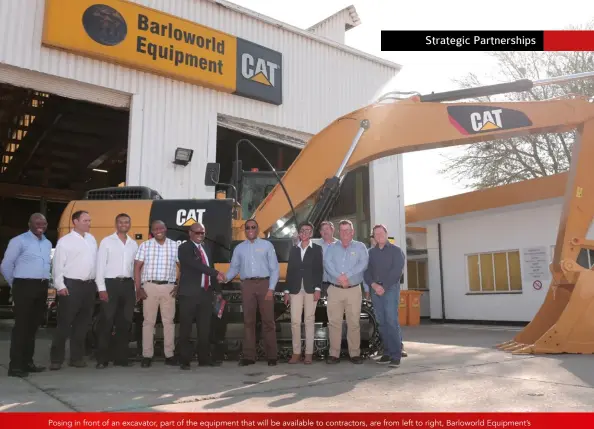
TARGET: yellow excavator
(397,123)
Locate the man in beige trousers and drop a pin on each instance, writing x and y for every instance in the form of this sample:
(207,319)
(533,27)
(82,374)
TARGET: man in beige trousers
(155,278)
(345,262)
(305,272)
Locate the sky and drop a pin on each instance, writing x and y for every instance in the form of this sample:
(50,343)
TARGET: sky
(426,72)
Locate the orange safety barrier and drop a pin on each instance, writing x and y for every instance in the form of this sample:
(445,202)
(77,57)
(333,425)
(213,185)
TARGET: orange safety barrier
(402,310)
(413,304)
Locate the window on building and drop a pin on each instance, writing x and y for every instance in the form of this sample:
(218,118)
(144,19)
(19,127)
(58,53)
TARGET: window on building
(495,272)
(417,275)
(585,257)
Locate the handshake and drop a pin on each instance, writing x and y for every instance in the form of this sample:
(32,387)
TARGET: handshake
(221,277)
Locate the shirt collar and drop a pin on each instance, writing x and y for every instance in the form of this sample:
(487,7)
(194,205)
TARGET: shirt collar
(31,235)
(115,235)
(309,245)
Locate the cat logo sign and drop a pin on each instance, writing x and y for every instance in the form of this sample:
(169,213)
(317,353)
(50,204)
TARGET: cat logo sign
(471,119)
(488,120)
(259,72)
(189,217)
(258,69)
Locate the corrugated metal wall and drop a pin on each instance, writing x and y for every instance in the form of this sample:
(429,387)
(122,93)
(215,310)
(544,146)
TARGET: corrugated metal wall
(320,84)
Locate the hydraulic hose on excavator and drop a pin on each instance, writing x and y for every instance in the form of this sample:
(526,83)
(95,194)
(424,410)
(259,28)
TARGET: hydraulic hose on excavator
(565,321)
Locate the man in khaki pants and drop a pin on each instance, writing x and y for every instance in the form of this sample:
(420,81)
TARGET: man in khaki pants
(345,262)
(155,275)
(305,272)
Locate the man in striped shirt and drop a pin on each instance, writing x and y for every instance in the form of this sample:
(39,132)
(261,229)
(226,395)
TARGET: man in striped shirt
(155,276)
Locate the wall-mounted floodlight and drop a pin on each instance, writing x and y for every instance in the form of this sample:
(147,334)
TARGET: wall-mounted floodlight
(183,156)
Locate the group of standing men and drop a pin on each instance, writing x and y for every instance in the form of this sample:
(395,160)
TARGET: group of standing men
(123,273)
(343,269)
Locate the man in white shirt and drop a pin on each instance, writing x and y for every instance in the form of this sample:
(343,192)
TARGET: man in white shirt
(155,275)
(74,267)
(115,271)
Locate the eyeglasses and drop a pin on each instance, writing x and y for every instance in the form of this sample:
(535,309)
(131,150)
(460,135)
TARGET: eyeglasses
(248,227)
(305,231)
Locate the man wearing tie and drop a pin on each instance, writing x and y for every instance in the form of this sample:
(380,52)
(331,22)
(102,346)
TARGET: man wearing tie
(197,285)
(257,265)
(26,268)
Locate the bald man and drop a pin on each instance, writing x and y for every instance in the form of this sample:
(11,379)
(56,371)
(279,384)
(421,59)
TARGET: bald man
(155,277)
(26,268)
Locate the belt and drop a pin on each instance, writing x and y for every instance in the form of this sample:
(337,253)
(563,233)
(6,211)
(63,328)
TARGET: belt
(120,279)
(257,278)
(32,280)
(341,287)
(79,280)
(158,282)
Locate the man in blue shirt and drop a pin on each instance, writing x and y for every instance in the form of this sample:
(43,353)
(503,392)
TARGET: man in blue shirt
(26,268)
(257,265)
(386,264)
(344,262)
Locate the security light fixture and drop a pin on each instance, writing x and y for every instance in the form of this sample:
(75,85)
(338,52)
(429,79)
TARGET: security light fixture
(98,170)
(183,156)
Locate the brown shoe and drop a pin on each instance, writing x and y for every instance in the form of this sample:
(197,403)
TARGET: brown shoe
(295,359)
(308,359)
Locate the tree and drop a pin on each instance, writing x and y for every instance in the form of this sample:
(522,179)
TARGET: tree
(487,164)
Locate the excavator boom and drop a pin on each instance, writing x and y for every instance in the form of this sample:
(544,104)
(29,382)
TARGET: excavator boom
(565,321)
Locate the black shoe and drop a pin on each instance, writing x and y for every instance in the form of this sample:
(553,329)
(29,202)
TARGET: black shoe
(171,361)
(272,362)
(209,363)
(394,363)
(101,365)
(17,373)
(123,363)
(185,366)
(332,360)
(78,364)
(146,362)
(357,359)
(33,368)
(246,362)
(385,359)
(404,354)
(55,366)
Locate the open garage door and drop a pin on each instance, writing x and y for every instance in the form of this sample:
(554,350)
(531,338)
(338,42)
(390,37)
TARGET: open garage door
(264,131)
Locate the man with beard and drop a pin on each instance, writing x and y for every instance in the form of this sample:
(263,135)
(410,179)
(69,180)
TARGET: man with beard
(198,283)
(115,270)
(26,268)
(257,265)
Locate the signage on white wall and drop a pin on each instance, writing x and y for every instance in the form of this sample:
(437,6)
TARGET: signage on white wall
(535,261)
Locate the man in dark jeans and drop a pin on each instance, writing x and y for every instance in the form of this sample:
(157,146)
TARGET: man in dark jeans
(115,271)
(26,268)
(384,269)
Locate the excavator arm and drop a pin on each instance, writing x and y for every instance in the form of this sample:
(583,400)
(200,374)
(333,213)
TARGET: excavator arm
(564,323)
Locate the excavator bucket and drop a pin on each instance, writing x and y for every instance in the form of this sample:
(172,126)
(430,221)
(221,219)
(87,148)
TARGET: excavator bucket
(563,324)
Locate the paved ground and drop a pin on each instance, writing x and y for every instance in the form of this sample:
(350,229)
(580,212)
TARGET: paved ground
(449,368)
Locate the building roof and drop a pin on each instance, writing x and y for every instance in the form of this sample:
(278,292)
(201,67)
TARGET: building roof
(350,13)
(305,33)
(527,191)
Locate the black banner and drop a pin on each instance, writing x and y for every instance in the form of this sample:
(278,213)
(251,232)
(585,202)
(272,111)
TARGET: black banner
(464,41)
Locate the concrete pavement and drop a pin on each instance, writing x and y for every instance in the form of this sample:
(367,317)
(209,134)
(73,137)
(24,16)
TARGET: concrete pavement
(449,368)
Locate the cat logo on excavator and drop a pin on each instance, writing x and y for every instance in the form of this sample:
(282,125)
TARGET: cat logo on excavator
(189,217)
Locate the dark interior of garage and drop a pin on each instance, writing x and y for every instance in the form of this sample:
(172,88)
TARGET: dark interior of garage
(354,195)
(53,150)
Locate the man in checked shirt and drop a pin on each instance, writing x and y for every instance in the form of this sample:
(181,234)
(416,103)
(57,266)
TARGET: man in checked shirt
(155,275)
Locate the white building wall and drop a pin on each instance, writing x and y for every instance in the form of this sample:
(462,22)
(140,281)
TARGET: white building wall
(321,82)
(513,228)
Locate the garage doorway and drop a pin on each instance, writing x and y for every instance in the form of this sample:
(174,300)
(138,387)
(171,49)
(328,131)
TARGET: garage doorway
(53,150)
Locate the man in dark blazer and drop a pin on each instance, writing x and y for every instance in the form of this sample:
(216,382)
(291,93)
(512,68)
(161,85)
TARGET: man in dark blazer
(198,285)
(305,272)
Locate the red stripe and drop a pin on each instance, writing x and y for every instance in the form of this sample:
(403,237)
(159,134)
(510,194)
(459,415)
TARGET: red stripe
(457,125)
(569,40)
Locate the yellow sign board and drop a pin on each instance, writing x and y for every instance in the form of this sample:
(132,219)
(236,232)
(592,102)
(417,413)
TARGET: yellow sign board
(128,34)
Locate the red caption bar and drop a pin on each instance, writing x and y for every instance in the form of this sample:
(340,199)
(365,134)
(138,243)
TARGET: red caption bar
(569,40)
(296,420)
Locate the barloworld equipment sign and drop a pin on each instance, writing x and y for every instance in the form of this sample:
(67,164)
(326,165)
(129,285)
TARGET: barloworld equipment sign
(131,35)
